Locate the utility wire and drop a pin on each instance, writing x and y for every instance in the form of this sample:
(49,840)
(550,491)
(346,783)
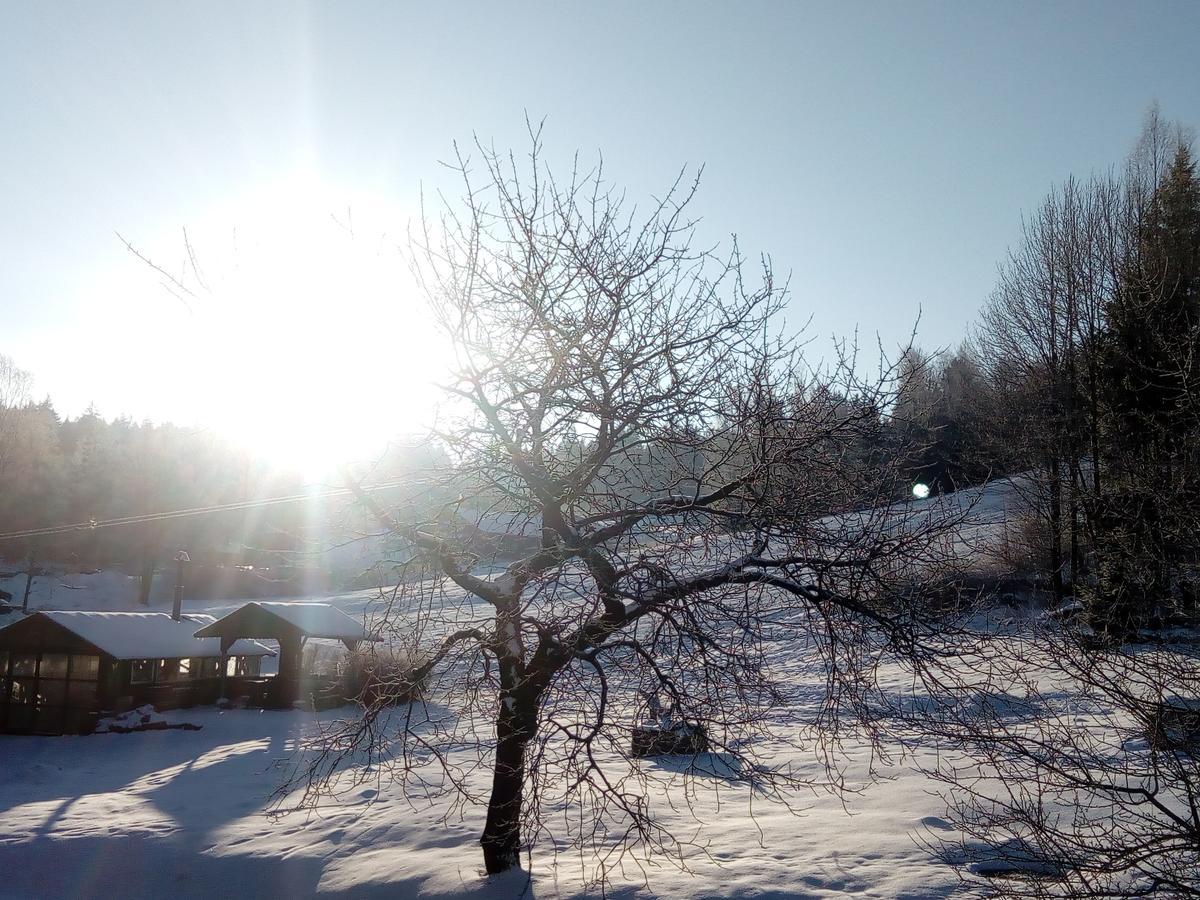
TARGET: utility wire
(92,524)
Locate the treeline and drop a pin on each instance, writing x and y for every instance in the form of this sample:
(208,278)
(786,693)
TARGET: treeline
(56,470)
(1083,372)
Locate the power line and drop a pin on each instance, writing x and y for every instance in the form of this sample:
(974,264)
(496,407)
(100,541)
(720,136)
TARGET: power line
(93,524)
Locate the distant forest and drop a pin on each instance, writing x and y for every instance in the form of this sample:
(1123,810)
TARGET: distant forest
(57,470)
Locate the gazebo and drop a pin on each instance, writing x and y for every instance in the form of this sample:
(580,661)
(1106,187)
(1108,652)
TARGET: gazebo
(291,624)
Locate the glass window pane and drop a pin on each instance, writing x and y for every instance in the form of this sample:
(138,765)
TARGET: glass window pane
(185,669)
(52,692)
(142,671)
(54,665)
(22,691)
(24,664)
(81,694)
(85,668)
(3,663)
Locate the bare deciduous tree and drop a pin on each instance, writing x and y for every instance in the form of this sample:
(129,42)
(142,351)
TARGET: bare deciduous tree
(656,510)
(1080,774)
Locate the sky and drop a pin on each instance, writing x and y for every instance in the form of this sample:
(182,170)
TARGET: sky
(882,154)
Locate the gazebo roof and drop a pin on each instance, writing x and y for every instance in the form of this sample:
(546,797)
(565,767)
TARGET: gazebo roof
(273,619)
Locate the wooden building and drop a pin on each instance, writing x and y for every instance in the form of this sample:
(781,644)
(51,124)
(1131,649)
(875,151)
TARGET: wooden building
(291,624)
(61,670)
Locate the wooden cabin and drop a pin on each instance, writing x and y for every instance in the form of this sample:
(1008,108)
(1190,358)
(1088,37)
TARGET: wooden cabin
(60,671)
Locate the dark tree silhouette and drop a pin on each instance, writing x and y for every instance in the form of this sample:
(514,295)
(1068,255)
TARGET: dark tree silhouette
(654,508)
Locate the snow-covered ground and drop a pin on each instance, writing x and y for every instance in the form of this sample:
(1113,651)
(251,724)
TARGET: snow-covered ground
(185,813)
(178,813)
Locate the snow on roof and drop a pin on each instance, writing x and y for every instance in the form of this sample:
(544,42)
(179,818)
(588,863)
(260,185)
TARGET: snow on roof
(149,635)
(316,620)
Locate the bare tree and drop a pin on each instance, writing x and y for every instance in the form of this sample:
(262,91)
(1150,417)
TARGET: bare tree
(655,507)
(1040,332)
(1080,768)
(1079,773)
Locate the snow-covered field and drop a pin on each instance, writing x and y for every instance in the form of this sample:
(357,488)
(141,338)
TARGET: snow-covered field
(187,813)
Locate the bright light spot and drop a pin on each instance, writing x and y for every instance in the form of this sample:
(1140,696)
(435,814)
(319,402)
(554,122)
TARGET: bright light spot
(920,491)
(310,345)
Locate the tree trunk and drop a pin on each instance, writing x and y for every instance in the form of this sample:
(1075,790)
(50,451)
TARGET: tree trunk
(501,838)
(1073,523)
(1056,530)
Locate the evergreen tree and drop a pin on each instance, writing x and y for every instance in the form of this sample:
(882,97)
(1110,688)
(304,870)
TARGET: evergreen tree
(1150,377)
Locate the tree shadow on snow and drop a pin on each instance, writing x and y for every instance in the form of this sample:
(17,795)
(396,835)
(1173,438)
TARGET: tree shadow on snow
(717,766)
(138,814)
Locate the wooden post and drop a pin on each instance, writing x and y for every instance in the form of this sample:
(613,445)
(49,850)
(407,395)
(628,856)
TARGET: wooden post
(287,681)
(149,557)
(226,646)
(28,581)
(180,558)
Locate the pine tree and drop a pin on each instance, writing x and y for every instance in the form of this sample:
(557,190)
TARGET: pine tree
(1149,380)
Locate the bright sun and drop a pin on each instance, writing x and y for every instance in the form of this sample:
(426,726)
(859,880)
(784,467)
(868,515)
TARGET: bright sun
(312,346)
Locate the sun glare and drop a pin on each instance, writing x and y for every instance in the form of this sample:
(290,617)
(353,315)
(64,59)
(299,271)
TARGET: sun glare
(314,348)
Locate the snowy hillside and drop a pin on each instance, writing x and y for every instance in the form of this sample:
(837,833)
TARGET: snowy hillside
(184,814)
(187,813)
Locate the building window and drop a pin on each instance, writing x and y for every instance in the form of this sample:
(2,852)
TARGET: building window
(168,670)
(54,665)
(142,671)
(85,668)
(81,694)
(50,693)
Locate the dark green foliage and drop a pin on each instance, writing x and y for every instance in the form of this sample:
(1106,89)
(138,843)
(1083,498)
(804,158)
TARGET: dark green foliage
(1146,520)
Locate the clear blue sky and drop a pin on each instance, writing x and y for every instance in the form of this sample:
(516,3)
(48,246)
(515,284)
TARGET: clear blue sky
(882,153)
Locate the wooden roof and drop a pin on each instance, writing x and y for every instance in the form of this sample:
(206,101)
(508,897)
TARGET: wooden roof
(276,620)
